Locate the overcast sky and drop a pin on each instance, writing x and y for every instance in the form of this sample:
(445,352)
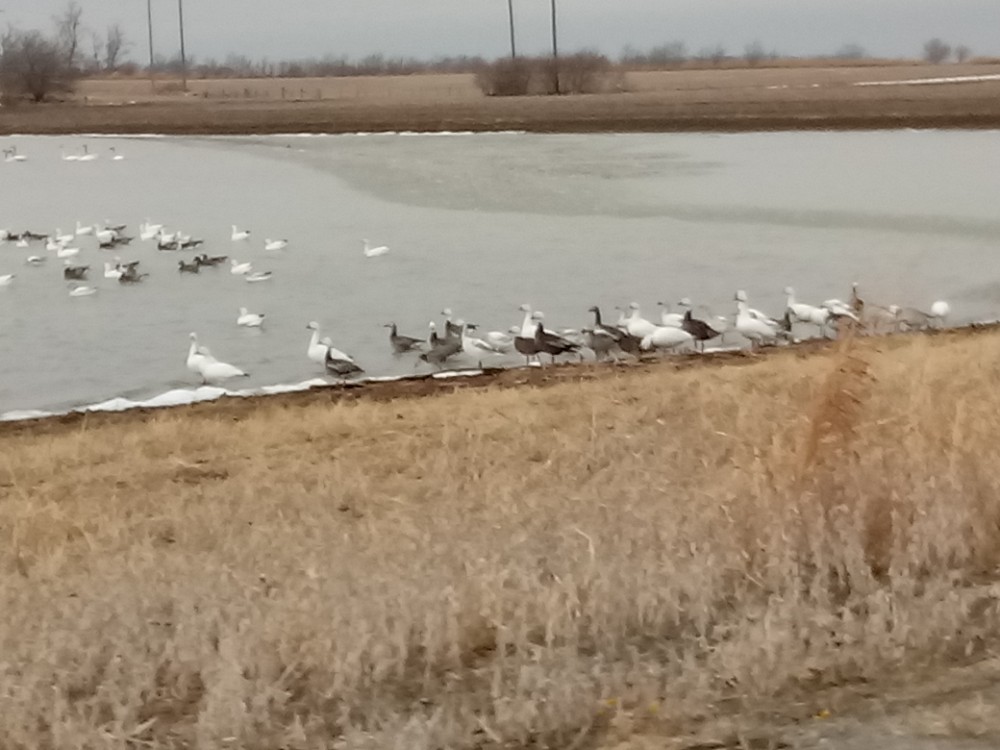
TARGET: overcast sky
(289,29)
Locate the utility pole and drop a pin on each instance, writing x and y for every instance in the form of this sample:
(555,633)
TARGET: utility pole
(184,70)
(510,14)
(555,49)
(149,24)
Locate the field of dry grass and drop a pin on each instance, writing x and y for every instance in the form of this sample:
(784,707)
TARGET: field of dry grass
(655,557)
(783,97)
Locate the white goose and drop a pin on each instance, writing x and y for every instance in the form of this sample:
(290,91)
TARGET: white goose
(272,245)
(940,311)
(81,290)
(759,330)
(635,324)
(666,337)
(317,350)
(799,312)
(35,260)
(7,278)
(249,319)
(374,252)
(115,156)
(149,231)
(67,157)
(67,252)
(211,369)
(82,230)
(239,234)
(86,155)
(475,346)
(11,155)
(64,239)
(240,269)
(671,319)
(112,272)
(257,276)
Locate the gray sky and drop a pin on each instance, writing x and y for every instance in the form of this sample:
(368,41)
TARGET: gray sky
(289,29)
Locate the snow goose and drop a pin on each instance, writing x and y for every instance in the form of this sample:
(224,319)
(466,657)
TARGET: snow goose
(11,155)
(500,341)
(256,276)
(400,343)
(104,236)
(666,337)
(74,273)
(340,366)
(149,231)
(759,330)
(318,350)
(7,278)
(699,329)
(249,319)
(373,252)
(22,243)
(67,252)
(626,342)
(551,343)
(112,272)
(81,290)
(239,234)
(86,155)
(452,328)
(473,345)
(35,260)
(940,311)
(800,312)
(440,348)
(667,318)
(115,156)
(635,324)
(196,354)
(64,239)
(239,269)
(272,245)
(82,230)
(67,157)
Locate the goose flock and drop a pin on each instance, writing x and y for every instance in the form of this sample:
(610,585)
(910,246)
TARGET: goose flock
(680,327)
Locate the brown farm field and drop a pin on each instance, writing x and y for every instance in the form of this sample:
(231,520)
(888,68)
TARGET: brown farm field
(784,97)
(800,549)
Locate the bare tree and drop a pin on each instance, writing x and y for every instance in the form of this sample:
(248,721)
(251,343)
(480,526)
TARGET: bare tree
(68,30)
(754,53)
(115,46)
(936,51)
(962,53)
(33,65)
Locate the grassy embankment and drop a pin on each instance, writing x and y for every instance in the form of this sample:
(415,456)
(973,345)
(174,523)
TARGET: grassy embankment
(653,552)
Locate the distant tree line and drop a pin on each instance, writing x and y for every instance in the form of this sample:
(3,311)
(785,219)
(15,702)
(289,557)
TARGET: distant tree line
(35,65)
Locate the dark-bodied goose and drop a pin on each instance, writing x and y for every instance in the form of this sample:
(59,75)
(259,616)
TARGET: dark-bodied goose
(215,260)
(551,343)
(626,342)
(699,329)
(402,343)
(74,273)
(339,364)
(192,267)
(441,348)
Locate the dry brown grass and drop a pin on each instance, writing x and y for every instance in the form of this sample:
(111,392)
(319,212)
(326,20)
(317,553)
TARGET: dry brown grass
(724,99)
(674,553)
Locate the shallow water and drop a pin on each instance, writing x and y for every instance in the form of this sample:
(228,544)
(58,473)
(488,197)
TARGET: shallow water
(478,223)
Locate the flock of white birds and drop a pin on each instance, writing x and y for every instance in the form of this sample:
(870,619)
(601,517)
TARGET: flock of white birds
(630,335)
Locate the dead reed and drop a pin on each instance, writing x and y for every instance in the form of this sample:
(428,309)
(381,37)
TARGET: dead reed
(652,552)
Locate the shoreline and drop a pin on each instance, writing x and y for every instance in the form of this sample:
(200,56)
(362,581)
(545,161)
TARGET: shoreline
(235,405)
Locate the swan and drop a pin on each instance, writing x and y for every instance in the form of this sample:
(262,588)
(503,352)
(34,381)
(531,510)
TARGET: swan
(758,330)
(82,230)
(86,155)
(7,278)
(238,234)
(240,269)
(667,318)
(67,252)
(249,319)
(258,276)
(275,244)
(112,272)
(373,252)
(81,290)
